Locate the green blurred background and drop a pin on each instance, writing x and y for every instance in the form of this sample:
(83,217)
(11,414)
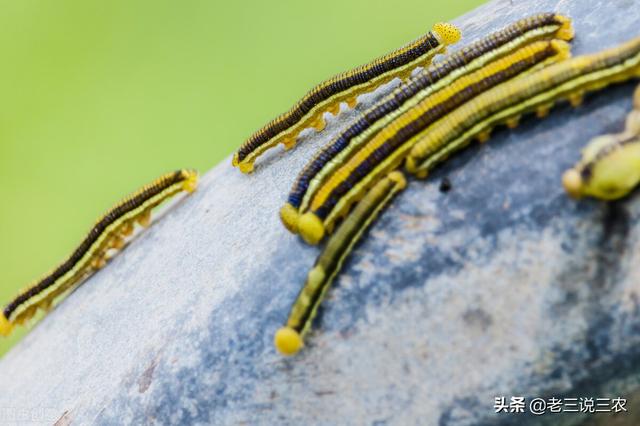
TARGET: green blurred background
(98,98)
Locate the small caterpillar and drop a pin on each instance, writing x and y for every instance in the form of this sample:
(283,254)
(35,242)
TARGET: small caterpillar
(388,149)
(506,103)
(437,76)
(610,164)
(290,338)
(344,87)
(92,253)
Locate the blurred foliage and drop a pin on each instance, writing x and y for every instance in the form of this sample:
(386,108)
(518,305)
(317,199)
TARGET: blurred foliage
(99,98)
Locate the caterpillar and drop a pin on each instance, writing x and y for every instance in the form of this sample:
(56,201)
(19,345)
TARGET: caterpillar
(289,339)
(108,233)
(388,148)
(567,80)
(344,87)
(610,164)
(437,76)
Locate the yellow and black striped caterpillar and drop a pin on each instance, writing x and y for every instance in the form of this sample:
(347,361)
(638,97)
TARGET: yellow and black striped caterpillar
(536,92)
(344,87)
(107,234)
(610,164)
(290,338)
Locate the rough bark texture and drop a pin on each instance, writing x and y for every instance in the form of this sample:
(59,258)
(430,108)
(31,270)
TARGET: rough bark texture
(501,287)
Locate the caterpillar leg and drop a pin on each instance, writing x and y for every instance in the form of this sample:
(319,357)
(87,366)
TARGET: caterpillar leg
(144,219)
(484,136)
(319,123)
(352,102)
(99,261)
(126,229)
(334,109)
(289,339)
(117,242)
(46,305)
(289,142)
(26,315)
(576,99)
(513,122)
(543,110)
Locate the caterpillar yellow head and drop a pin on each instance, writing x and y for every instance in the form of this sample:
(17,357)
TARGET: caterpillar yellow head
(609,169)
(290,217)
(572,182)
(288,341)
(5,326)
(447,33)
(311,228)
(191,180)
(566,31)
(245,166)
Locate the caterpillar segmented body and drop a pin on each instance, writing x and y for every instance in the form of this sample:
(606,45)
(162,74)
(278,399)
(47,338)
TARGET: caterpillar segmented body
(388,148)
(505,104)
(344,87)
(290,339)
(610,164)
(437,76)
(107,234)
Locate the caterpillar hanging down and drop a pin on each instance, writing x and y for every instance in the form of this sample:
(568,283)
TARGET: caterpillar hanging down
(290,338)
(610,164)
(545,26)
(536,92)
(344,87)
(387,150)
(107,234)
